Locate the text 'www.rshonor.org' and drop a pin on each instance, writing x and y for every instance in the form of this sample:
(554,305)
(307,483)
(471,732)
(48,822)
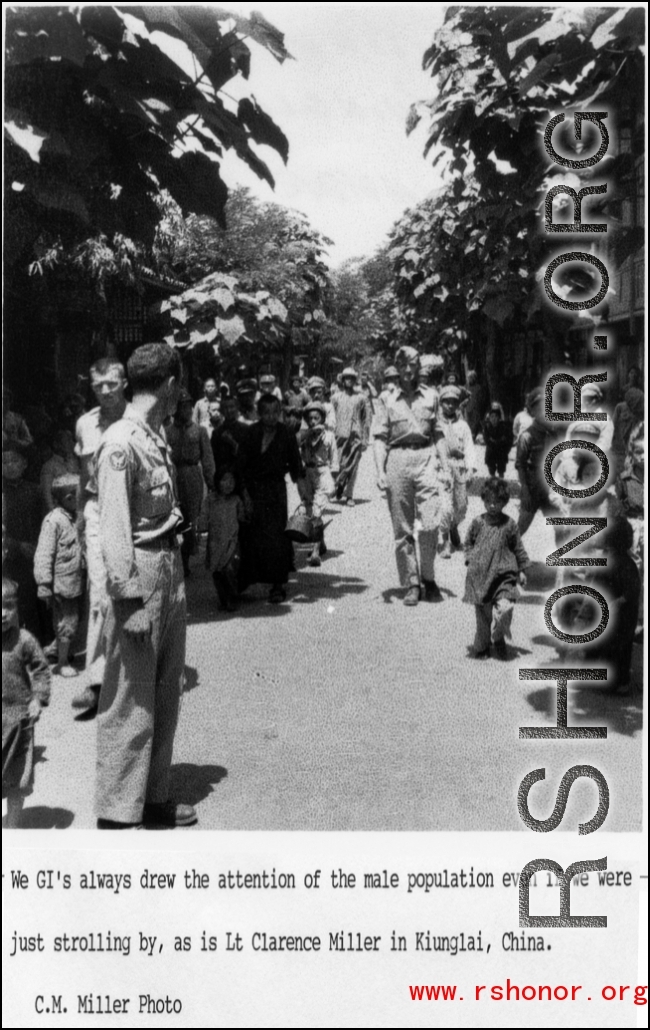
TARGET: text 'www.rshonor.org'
(561,731)
(511,991)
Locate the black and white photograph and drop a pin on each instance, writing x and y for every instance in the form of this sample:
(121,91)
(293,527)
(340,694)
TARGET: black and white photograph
(324,498)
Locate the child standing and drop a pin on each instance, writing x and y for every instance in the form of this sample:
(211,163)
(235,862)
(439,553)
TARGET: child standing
(25,690)
(498,440)
(320,457)
(225,512)
(496,561)
(58,567)
(462,462)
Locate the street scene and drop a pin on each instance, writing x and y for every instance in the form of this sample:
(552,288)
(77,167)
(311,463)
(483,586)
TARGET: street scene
(348,711)
(288,505)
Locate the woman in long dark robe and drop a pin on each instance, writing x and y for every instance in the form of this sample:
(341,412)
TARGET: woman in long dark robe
(268,453)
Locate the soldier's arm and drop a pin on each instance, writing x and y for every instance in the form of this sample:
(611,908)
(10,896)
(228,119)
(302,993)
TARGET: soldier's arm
(333,455)
(44,558)
(380,430)
(442,448)
(366,420)
(115,479)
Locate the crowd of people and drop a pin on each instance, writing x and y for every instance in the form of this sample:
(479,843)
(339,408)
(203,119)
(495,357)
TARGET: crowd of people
(104,514)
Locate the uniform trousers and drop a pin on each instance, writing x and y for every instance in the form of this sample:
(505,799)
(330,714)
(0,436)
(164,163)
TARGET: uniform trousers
(413,491)
(493,621)
(97,594)
(319,487)
(350,449)
(140,696)
(457,509)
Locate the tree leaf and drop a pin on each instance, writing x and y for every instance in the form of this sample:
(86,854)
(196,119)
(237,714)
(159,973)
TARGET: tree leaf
(262,128)
(277,308)
(27,137)
(232,57)
(539,72)
(195,183)
(264,33)
(499,309)
(223,296)
(232,329)
(61,197)
(44,33)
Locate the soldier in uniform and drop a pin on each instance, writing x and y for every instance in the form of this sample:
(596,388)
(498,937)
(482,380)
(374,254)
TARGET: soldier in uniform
(412,468)
(146,617)
(108,382)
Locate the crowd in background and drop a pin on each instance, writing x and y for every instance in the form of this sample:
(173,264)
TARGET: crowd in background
(232,449)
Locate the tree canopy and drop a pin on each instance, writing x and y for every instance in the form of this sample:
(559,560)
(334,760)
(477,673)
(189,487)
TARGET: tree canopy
(108,105)
(501,72)
(259,279)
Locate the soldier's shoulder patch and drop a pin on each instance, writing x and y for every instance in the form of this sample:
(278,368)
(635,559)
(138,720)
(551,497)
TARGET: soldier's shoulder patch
(117,459)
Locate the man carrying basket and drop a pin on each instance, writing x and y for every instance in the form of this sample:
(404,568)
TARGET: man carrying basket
(320,457)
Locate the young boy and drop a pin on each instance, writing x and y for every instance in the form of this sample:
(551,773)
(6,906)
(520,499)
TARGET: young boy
(496,563)
(25,690)
(320,457)
(58,567)
(498,441)
(462,462)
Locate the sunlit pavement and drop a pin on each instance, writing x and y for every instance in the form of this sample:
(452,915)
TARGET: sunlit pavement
(344,710)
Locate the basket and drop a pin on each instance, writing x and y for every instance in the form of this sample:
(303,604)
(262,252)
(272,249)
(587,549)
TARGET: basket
(303,528)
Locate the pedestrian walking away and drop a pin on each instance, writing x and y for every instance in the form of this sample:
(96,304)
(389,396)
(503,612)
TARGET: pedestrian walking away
(353,419)
(532,447)
(194,464)
(412,468)
(268,453)
(139,517)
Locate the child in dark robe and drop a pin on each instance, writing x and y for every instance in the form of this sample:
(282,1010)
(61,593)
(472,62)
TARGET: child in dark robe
(497,434)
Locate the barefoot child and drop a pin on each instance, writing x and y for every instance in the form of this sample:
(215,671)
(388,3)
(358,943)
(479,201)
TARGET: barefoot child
(496,560)
(25,690)
(225,512)
(58,567)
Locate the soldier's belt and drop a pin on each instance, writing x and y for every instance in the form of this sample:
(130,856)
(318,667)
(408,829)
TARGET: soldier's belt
(409,446)
(167,542)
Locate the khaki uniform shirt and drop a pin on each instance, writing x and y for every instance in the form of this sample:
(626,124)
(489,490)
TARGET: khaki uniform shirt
(459,442)
(89,431)
(401,422)
(137,499)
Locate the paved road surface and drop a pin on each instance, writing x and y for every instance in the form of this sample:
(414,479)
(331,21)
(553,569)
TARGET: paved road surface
(344,710)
